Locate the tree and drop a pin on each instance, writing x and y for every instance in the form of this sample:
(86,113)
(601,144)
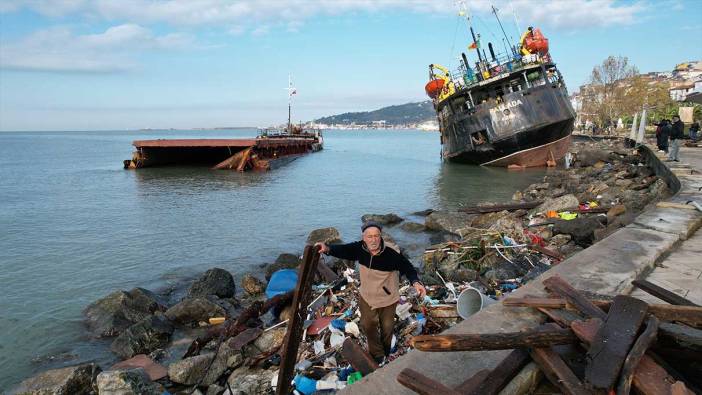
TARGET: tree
(607,89)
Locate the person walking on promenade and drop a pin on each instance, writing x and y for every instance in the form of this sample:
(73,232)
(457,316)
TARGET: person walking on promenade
(380,270)
(676,135)
(664,135)
(694,129)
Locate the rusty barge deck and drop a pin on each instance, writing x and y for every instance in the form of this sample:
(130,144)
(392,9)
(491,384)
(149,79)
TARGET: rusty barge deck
(260,153)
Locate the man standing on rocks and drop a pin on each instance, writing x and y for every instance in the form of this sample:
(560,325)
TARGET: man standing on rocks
(380,270)
(676,135)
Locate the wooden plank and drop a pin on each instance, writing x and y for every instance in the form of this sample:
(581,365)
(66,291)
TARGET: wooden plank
(578,300)
(612,342)
(499,207)
(637,352)
(499,377)
(557,371)
(357,357)
(493,341)
(472,383)
(560,316)
(649,378)
(293,336)
(244,338)
(675,205)
(547,252)
(662,293)
(680,336)
(688,315)
(422,384)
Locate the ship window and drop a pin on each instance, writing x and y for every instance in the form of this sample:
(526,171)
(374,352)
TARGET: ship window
(478,138)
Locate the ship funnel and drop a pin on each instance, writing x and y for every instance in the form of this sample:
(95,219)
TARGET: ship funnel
(492,52)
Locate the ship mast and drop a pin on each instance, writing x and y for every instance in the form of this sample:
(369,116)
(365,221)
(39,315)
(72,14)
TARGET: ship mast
(291,91)
(463,10)
(494,11)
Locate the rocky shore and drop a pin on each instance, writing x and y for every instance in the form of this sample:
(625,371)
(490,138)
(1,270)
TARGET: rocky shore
(493,247)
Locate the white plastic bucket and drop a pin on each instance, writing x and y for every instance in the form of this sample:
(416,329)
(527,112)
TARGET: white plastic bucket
(470,301)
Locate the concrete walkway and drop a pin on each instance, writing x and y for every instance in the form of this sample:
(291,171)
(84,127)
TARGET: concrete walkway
(681,271)
(661,245)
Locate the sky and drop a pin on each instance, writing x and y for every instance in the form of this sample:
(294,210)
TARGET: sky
(132,64)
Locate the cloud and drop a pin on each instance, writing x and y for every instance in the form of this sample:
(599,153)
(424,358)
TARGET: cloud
(58,49)
(567,14)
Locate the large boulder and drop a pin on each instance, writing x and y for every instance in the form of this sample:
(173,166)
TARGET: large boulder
(72,380)
(588,157)
(126,382)
(193,310)
(226,358)
(582,229)
(409,226)
(190,370)
(117,311)
(252,285)
(565,202)
(284,261)
(266,343)
(215,281)
(383,219)
(448,221)
(251,381)
(324,235)
(143,337)
(484,221)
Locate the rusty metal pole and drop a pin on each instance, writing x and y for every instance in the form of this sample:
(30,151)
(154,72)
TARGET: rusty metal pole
(293,336)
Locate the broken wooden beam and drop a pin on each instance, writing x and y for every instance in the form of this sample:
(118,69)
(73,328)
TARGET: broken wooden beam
(357,357)
(422,384)
(649,377)
(557,372)
(497,378)
(680,336)
(293,335)
(578,300)
(493,341)
(500,207)
(611,344)
(636,354)
(688,315)
(662,293)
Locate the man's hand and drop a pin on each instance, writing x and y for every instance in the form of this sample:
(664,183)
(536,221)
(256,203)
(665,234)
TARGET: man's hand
(323,248)
(420,289)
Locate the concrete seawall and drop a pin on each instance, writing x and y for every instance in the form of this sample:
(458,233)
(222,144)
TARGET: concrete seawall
(607,267)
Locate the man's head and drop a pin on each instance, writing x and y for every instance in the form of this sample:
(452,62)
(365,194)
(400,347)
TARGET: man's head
(676,118)
(371,235)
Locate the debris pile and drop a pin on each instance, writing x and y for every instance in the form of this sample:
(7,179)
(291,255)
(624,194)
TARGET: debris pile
(590,346)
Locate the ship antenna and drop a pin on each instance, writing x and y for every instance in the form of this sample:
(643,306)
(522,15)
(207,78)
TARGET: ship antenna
(494,11)
(291,92)
(463,10)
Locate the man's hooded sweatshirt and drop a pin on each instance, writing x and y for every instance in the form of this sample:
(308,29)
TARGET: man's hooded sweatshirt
(380,274)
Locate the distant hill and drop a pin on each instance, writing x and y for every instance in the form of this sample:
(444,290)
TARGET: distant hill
(393,115)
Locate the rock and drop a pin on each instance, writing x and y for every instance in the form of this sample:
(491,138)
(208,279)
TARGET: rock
(324,235)
(383,219)
(589,157)
(127,382)
(423,213)
(560,240)
(625,182)
(193,310)
(509,226)
(659,190)
(252,285)
(517,196)
(615,211)
(214,389)
(565,202)
(226,358)
(581,229)
(215,281)
(143,337)
(414,227)
(72,380)
(191,370)
(484,221)
(390,242)
(448,221)
(286,313)
(267,342)
(117,311)
(284,261)
(154,371)
(250,381)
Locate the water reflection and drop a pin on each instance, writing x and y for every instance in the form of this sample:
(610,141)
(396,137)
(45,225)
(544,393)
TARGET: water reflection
(460,184)
(193,179)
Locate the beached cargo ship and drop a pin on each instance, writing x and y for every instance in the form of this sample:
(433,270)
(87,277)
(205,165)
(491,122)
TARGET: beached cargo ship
(510,110)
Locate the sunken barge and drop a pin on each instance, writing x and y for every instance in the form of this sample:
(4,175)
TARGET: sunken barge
(511,111)
(268,150)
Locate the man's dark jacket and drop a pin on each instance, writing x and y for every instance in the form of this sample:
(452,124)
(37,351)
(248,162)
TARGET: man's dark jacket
(387,261)
(677,132)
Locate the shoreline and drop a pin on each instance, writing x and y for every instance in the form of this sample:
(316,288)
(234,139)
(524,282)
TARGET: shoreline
(527,191)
